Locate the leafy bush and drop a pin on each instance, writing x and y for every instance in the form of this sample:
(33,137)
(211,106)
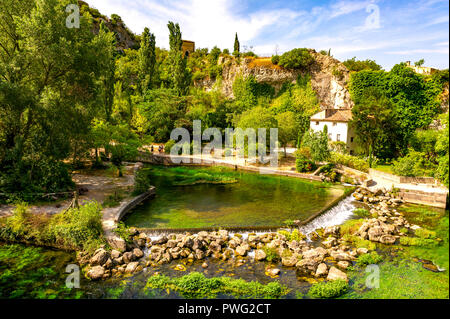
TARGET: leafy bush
(275,59)
(78,227)
(413,164)
(142,181)
(350,161)
(369,259)
(294,235)
(271,254)
(303,162)
(329,289)
(361,212)
(318,144)
(296,59)
(123,231)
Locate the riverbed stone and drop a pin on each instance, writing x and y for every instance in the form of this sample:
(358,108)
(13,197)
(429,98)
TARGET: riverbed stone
(322,270)
(99,258)
(96,272)
(138,253)
(289,261)
(131,267)
(260,255)
(335,274)
(115,254)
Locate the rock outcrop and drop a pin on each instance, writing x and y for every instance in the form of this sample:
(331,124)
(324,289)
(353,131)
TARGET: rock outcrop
(329,77)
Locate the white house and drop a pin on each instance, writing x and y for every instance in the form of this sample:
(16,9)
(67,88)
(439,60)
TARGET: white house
(337,122)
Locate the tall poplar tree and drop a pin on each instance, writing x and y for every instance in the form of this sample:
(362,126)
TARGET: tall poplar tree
(179,74)
(147,61)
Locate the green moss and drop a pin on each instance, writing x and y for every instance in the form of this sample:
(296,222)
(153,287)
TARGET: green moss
(329,289)
(369,259)
(196,285)
(361,212)
(294,235)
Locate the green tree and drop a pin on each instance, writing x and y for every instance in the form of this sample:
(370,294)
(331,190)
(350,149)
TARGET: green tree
(296,59)
(419,63)
(317,142)
(49,92)
(147,61)
(287,129)
(442,146)
(374,123)
(179,74)
(359,65)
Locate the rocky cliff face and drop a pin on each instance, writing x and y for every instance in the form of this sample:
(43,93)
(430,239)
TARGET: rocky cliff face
(329,77)
(125,39)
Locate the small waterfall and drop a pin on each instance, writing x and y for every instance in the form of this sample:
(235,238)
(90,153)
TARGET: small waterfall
(335,216)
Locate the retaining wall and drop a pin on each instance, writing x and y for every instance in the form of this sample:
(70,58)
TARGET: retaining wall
(402,179)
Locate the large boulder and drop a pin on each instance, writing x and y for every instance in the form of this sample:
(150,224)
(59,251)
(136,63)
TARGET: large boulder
(131,267)
(99,258)
(260,255)
(96,272)
(322,270)
(289,261)
(335,274)
(138,253)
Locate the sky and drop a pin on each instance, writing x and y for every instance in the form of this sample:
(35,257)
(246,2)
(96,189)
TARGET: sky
(387,31)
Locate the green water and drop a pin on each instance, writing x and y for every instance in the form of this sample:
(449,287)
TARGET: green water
(253,200)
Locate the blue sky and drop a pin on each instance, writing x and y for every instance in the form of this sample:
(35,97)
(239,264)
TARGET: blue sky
(389,31)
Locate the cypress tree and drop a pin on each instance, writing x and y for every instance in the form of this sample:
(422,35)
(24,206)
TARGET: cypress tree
(237,46)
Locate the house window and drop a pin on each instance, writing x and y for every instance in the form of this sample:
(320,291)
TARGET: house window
(334,123)
(329,136)
(338,137)
(351,139)
(351,152)
(317,123)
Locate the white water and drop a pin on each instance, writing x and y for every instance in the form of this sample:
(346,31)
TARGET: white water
(335,216)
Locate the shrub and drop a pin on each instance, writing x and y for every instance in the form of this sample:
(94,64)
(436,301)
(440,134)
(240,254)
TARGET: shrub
(303,162)
(294,235)
(296,59)
(78,227)
(350,161)
(329,289)
(123,231)
(369,259)
(413,164)
(275,59)
(142,181)
(318,145)
(271,254)
(361,212)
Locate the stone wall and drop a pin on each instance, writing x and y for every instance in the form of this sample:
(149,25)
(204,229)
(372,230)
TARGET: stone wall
(424,198)
(402,179)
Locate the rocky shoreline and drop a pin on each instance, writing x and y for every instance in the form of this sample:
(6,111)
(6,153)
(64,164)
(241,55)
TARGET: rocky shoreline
(325,255)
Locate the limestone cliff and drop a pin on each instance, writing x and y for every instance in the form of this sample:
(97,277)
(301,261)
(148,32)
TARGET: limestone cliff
(125,39)
(329,77)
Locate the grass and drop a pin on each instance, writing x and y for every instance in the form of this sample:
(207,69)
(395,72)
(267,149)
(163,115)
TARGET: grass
(329,289)
(386,168)
(196,285)
(74,229)
(401,274)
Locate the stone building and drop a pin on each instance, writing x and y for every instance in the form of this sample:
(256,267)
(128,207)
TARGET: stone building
(188,47)
(337,122)
(421,69)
